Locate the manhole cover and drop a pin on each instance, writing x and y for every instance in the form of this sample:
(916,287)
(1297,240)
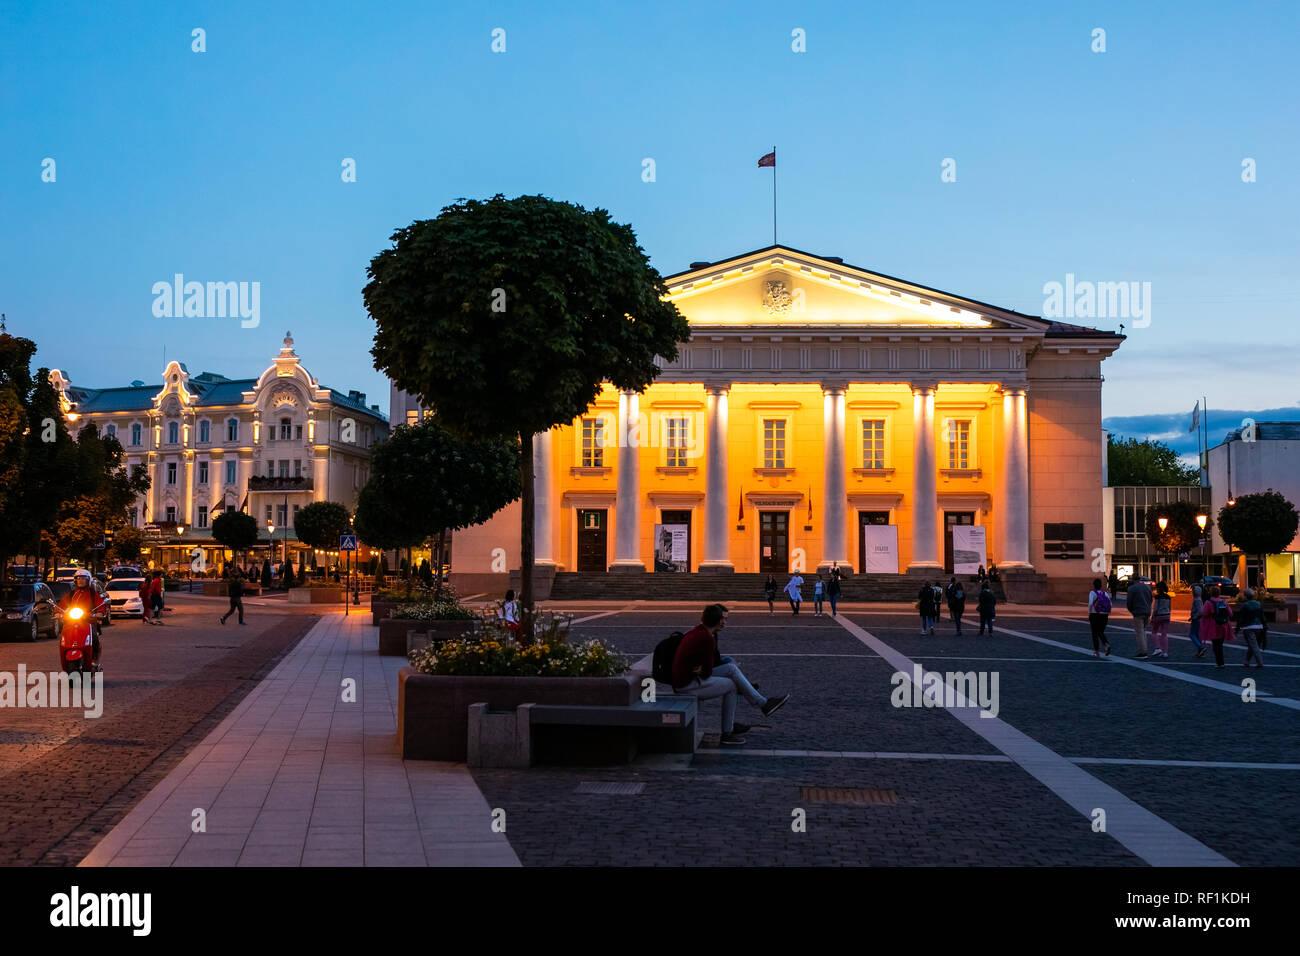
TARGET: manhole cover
(602,786)
(863,797)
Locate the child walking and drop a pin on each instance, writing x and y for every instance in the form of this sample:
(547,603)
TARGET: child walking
(1160,615)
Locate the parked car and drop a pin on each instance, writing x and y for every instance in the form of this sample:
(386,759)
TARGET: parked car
(124,594)
(103,604)
(27,609)
(22,573)
(1226,587)
(125,571)
(65,574)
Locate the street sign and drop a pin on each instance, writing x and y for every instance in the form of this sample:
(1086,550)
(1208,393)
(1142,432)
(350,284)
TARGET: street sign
(347,542)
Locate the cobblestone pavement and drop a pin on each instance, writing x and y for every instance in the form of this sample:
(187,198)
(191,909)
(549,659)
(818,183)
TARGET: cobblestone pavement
(960,799)
(66,779)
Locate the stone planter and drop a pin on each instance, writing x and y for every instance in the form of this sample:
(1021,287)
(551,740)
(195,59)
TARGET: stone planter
(433,711)
(316,595)
(392,632)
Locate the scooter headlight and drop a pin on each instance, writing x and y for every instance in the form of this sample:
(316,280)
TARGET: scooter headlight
(76,613)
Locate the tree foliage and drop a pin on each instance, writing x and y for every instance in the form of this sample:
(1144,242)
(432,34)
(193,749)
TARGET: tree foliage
(128,542)
(1181,533)
(102,490)
(235,530)
(319,524)
(1146,462)
(507,316)
(1261,523)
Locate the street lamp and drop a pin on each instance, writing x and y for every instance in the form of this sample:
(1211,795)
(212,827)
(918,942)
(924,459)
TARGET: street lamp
(1163,522)
(1200,521)
(270,533)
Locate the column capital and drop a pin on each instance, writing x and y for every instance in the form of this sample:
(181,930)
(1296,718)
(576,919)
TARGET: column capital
(717,388)
(833,388)
(923,388)
(1013,388)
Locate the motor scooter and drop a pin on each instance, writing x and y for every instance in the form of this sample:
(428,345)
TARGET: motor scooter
(77,642)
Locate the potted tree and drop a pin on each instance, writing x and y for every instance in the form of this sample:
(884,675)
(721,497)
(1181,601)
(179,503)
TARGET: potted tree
(319,525)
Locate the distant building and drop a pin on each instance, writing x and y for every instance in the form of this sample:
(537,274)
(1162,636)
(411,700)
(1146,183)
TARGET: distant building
(1124,523)
(265,445)
(1253,459)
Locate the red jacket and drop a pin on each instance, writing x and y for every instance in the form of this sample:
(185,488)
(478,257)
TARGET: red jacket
(699,648)
(1215,632)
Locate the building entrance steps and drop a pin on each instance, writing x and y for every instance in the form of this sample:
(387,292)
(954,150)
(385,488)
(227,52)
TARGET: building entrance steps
(573,586)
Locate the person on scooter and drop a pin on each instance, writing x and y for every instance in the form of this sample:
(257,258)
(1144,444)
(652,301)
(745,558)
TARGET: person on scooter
(83,596)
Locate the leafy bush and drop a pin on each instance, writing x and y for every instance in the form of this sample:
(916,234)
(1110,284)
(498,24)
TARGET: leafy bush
(493,652)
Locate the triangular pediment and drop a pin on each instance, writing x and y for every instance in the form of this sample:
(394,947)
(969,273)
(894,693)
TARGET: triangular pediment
(779,286)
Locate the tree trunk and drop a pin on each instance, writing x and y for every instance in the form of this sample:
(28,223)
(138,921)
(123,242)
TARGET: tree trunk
(526,538)
(442,550)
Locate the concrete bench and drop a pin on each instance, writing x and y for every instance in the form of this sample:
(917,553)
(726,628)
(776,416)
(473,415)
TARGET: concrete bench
(579,734)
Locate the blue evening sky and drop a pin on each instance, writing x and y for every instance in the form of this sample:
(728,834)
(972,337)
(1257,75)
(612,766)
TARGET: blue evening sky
(225,165)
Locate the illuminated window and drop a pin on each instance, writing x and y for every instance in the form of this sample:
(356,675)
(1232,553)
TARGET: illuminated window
(873,443)
(774,443)
(412,416)
(593,442)
(958,444)
(678,430)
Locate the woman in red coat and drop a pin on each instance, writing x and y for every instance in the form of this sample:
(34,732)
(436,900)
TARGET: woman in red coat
(1215,632)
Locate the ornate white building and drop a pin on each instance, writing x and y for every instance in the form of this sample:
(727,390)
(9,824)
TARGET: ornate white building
(267,445)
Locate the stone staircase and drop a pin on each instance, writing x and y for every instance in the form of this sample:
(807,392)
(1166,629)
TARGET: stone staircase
(901,588)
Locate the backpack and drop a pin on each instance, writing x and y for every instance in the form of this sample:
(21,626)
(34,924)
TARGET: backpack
(1101,604)
(958,594)
(1221,615)
(665,651)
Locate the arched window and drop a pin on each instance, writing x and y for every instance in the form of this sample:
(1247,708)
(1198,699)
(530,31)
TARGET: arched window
(173,432)
(112,431)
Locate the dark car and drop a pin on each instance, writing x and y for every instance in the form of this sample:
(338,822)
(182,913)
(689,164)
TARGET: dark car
(103,603)
(1226,587)
(27,610)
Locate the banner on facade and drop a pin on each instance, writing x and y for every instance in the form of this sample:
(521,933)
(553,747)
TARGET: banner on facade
(969,548)
(880,545)
(671,552)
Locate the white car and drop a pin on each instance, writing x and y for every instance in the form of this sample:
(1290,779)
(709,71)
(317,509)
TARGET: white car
(124,595)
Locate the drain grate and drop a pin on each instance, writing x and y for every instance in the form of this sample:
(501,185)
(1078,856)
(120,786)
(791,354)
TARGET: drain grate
(862,797)
(604,786)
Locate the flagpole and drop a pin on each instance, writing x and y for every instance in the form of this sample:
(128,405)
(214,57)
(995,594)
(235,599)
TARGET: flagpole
(773,195)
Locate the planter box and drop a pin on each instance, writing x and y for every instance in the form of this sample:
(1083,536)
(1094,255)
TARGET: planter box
(316,595)
(392,632)
(433,711)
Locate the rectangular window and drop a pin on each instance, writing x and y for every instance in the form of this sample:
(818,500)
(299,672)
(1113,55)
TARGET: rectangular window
(135,435)
(171,472)
(230,472)
(297,467)
(203,472)
(873,443)
(232,430)
(412,416)
(135,517)
(1063,541)
(678,432)
(593,443)
(284,429)
(284,467)
(112,431)
(171,514)
(205,431)
(958,444)
(268,514)
(203,516)
(281,516)
(173,432)
(270,468)
(774,443)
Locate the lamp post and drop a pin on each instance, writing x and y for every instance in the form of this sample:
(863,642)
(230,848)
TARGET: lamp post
(1163,523)
(1200,521)
(270,534)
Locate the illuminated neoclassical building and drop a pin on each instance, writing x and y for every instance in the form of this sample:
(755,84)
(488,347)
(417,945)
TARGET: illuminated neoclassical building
(816,407)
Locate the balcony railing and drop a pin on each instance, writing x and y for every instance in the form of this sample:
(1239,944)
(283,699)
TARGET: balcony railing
(265,483)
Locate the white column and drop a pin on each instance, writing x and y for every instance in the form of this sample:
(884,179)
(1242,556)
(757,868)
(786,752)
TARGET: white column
(834,521)
(627,526)
(1013,548)
(925,500)
(543,500)
(717,539)
(187,513)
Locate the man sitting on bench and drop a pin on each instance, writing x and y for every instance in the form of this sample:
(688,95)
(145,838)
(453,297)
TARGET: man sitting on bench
(698,670)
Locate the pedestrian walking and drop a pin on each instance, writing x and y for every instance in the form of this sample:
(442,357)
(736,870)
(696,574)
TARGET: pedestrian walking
(1112,585)
(146,600)
(987,605)
(938,603)
(1216,623)
(819,592)
(510,613)
(1138,602)
(794,591)
(833,590)
(981,575)
(1161,612)
(156,595)
(1194,621)
(926,604)
(1251,625)
(1098,616)
(769,589)
(235,591)
(956,602)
